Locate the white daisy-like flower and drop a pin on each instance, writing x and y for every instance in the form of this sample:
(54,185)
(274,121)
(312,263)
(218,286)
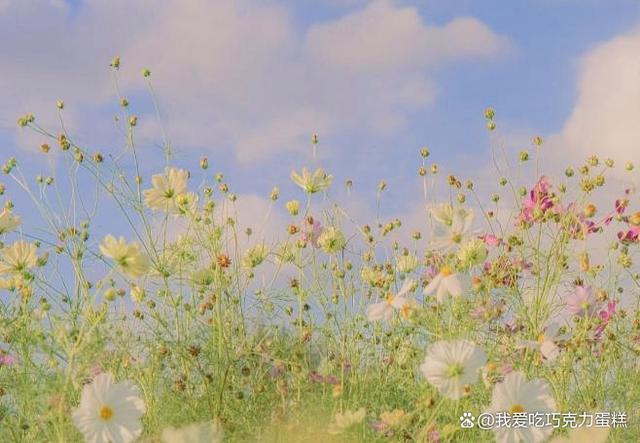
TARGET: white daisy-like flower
(19,257)
(546,343)
(384,309)
(312,183)
(343,421)
(584,434)
(444,285)
(407,263)
(453,366)
(455,226)
(166,188)
(210,432)
(126,255)
(109,412)
(8,221)
(517,395)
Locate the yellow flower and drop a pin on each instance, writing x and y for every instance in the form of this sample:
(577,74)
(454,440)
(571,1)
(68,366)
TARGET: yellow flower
(18,257)
(137,293)
(254,256)
(126,255)
(8,221)
(312,183)
(332,240)
(163,196)
(293,206)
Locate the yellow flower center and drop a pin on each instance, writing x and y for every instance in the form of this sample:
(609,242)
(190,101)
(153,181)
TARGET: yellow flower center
(455,370)
(389,298)
(106,413)
(446,271)
(516,408)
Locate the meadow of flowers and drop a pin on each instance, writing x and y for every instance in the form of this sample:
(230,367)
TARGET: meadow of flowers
(190,326)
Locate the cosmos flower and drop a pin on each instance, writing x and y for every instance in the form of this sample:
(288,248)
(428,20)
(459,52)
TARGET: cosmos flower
(8,221)
(384,309)
(582,302)
(547,342)
(343,421)
(210,432)
(19,257)
(126,255)
(253,257)
(538,201)
(407,263)
(312,183)
(517,395)
(455,225)
(311,231)
(332,240)
(471,253)
(109,412)
(166,188)
(452,366)
(445,284)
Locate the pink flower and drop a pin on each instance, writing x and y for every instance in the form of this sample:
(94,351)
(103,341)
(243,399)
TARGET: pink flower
(539,198)
(582,302)
(311,231)
(605,315)
(621,205)
(631,236)
(7,360)
(491,240)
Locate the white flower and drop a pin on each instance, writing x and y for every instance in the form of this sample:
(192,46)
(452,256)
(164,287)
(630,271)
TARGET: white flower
(445,284)
(407,263)
(342,422)
(126,255)
(210,432)
(109,412)
(546,342)
(254,256)
(312,183)
(332,240)
(517,395)
(166,188)
(584,434)
(384,309)
(8,221)
(473,252)
(455,224)
(450,366)
(19,257)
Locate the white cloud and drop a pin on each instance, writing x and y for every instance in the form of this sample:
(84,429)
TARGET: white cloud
(605,118)
(237,73)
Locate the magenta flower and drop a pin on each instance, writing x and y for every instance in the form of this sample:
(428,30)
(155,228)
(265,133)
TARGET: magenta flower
(630,236)
(605,315)
(539,198)
(582,302)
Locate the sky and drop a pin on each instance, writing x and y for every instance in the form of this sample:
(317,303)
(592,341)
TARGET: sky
(247,82)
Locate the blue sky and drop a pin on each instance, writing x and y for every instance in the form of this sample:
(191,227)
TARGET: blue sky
(246,83)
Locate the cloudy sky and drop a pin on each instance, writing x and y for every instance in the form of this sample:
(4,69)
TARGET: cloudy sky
(246,82)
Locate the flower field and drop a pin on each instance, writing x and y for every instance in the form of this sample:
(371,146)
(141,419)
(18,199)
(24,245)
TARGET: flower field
(143,308)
